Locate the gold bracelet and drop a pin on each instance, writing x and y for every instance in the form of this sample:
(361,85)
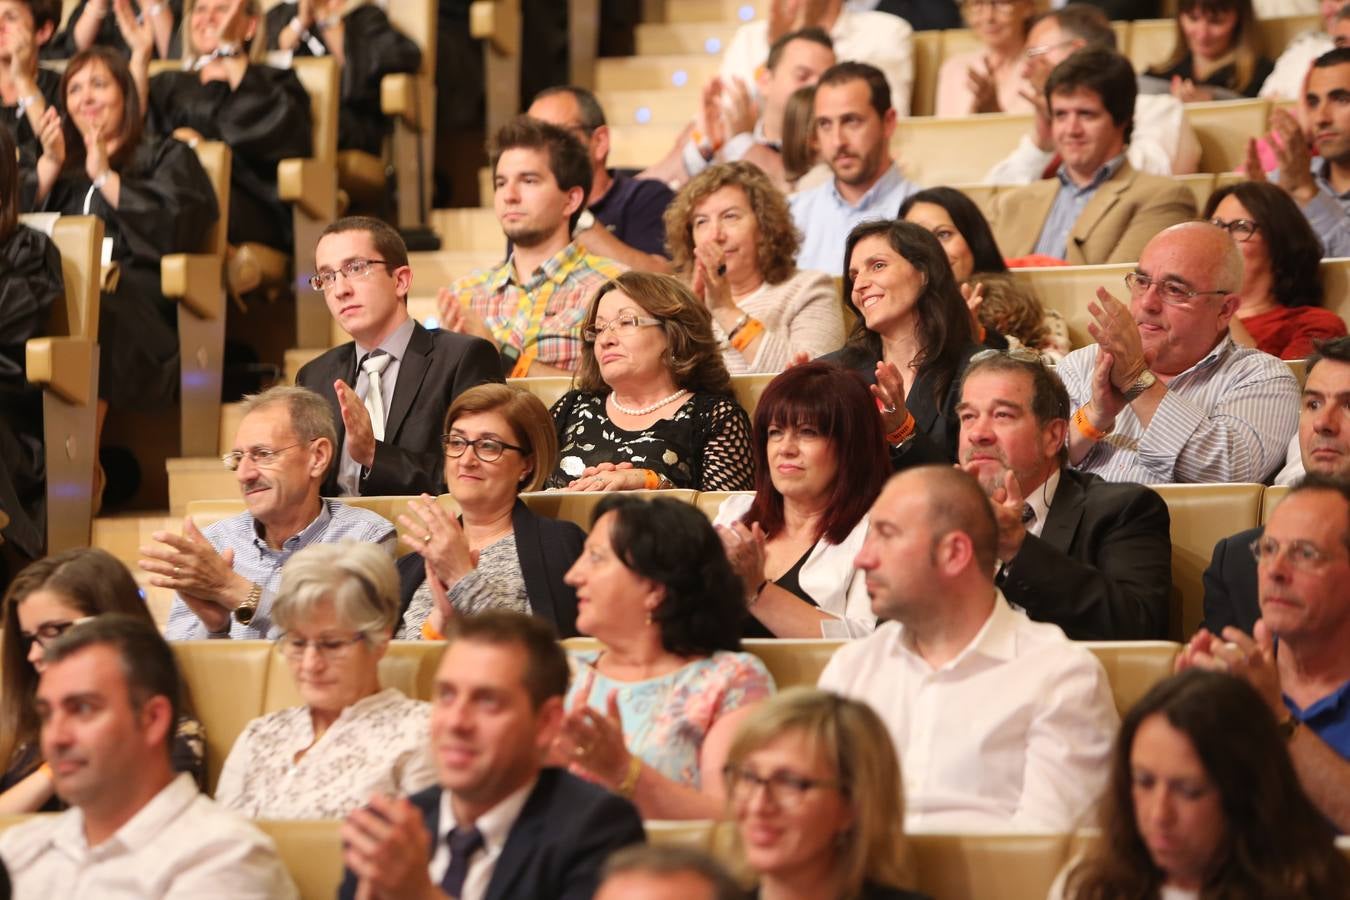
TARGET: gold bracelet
(1085,427)
(630,780)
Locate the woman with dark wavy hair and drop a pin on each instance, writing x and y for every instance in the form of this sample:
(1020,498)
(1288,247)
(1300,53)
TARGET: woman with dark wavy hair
(652,712)
(1281,299)
(912,338)
(732,239)
(1204,803)
(652,405)
(820,461)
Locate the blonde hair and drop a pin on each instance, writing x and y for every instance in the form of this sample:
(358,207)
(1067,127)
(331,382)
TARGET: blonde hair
(528,417)
(851,737)
(257,45)
(358,579)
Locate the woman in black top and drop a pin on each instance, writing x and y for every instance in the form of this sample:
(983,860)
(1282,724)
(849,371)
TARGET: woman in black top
(1217,55)
(367,47)
(261,112)
(153,197)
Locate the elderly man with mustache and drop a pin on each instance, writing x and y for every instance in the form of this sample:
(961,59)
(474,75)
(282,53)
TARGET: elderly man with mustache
(1091,556)
(226,575)
(854,121)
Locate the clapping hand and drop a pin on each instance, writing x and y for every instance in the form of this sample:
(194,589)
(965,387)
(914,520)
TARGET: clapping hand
(890,394)
(983,87)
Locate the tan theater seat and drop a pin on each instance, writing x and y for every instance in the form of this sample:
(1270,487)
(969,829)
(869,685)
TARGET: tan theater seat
(1223,128)
(1336,286)
(1201,515)
(208,512)
(1068,290)
(696,833)
(1200,184)
(956,151)
(748,389)
(578,506)
(927,60)
(988,866)
(227,681)
(1270,498)
(312,852)
(1133,667)
(409,666)
(795,662)
(547,388)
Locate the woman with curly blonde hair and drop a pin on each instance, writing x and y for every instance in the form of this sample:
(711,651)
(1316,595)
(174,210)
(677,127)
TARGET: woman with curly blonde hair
(652,405)
(731,238)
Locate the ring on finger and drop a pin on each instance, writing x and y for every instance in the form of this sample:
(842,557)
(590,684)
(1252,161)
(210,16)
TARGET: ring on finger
(426,538)
(176,570)
(578,751)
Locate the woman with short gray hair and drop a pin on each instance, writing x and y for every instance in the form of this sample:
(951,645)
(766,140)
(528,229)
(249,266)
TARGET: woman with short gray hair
(337,607)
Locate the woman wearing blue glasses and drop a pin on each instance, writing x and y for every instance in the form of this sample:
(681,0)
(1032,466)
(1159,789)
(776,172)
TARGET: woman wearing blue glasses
(498,442)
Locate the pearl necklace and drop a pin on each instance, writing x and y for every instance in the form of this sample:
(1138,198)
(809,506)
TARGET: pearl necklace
(664,401)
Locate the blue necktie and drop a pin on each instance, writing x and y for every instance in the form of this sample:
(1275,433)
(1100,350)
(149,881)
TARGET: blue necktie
(464,842)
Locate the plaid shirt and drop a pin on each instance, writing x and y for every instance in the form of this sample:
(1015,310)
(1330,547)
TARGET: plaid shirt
(564,285)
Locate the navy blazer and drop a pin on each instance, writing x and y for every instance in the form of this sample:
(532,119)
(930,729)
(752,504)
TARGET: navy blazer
(437,367)
(1102,567)
(546,549)
(563,835)
(1231,590)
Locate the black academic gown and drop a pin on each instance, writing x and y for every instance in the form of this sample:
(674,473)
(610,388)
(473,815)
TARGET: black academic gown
(109,35)
(372,48)
(30,148)
(166,206)
(30,282)
(265,120)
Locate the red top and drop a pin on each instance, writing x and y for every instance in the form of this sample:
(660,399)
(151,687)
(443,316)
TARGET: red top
(1289,331)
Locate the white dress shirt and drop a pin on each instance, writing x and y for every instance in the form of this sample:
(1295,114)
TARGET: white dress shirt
(350,472)
(1162,143)
(825,218)
(495,825)
(881,39)
(1014,733)
(180,844)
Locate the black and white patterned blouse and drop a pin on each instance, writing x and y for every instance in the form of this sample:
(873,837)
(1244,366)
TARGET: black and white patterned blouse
(379,743)
(705,445)
(495,583)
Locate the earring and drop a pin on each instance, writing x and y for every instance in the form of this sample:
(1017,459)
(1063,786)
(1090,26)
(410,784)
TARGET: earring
(649,617)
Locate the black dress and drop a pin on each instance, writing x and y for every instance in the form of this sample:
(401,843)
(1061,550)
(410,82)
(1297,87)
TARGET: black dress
(166,206)
(705,445)
(265,120)
(30,282)
(30,148)
(109,35)
(372,48)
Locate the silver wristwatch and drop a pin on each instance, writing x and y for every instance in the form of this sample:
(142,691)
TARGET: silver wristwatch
(1145,381)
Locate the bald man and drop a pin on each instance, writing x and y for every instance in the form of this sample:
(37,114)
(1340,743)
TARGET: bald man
(1165,395)
(1000,722)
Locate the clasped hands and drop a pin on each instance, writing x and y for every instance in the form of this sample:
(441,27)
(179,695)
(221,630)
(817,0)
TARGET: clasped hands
(190,566)
(1120,361)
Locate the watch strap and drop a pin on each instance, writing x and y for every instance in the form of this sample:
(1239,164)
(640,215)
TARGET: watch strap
(1145,381)
(244,612)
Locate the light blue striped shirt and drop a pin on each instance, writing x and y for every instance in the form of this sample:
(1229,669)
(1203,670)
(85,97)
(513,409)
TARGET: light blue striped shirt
(1070,201)
(261,564)
(825,218)
(1227,418)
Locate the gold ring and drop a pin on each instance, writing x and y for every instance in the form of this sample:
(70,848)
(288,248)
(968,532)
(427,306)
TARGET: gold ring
(578,751)
(427,539)
(176,570)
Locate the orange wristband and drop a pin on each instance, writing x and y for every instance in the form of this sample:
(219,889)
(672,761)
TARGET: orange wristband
(902,434)
(522,367)
(651,481)
(429,632)
(741,337)
(1086,428)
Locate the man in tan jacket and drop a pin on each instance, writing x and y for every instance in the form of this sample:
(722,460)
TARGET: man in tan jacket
(1095,208)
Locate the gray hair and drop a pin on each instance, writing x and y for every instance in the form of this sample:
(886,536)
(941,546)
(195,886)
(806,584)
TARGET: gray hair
(358,579)
(311,417)
(670,859)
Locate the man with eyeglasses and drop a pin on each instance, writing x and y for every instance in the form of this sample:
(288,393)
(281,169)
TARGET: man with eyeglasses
(1162,142)
(1096,208)
(1303,565)
(388,388)
(1319,185)
(225,576)
(532,304)
(1091,556)
(1165,395)
(623,218)
(1001,723)
(1322,448)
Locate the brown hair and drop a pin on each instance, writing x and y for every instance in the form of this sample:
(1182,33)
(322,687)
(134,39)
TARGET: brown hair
(799,133)
(692,354)
(133,117)
(388,242)
(778,240)
(568,159)
(528,418)
(1246,40)
(546,669)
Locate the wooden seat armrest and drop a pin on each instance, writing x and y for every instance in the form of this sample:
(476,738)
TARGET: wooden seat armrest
(310,184)
(398,97)
(498,23)
(195,280)
(62,365)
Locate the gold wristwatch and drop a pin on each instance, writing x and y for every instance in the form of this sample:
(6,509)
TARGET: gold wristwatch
(243,613)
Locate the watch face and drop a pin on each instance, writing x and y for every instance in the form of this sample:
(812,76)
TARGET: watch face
(244,614)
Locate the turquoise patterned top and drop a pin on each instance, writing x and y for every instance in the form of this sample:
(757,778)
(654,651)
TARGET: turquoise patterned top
(666,719)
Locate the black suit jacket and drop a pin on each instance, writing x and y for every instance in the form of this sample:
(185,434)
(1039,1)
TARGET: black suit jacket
(1102,567)
(564,834)
(546,549)
(436,368)
(935,426)
(1232,594)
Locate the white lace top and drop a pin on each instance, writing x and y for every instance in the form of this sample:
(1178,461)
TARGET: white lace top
(380,743)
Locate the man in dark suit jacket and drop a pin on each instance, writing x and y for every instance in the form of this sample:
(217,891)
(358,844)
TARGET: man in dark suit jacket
(362,265)
(1324,449)
(1091,556)
(500,825)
